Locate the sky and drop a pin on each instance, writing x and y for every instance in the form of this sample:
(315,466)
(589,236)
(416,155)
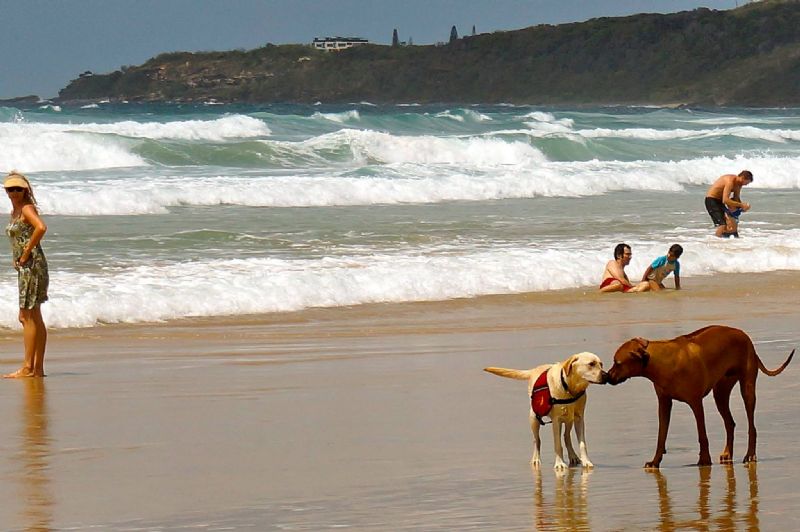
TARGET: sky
(46,43)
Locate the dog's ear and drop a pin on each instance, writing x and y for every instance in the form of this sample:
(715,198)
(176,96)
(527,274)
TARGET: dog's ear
(570,363)
(642,355)
(642,341)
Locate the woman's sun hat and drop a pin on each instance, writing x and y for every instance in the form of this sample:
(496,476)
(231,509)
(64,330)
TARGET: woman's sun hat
(15,179)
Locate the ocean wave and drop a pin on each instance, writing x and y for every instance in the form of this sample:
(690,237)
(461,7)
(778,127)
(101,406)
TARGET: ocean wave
(345,116)
(378,147)
(464,115)
(541,117)
(157,292)
(224,128)
(10,114)
(40,150)
(745,132)
(405,182)
(40,147)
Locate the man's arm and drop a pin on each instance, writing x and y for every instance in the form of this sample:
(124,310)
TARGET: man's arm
(731,198)
(619,274)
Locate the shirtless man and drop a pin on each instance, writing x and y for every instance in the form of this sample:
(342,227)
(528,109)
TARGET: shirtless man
(614,277)
(725,193)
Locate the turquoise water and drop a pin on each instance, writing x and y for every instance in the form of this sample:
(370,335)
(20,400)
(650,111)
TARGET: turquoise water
(163,212)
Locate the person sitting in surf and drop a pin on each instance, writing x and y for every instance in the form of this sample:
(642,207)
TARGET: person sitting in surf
(614,277)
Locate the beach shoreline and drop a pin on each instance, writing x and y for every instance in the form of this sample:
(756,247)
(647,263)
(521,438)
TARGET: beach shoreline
(762,289)
(289,419)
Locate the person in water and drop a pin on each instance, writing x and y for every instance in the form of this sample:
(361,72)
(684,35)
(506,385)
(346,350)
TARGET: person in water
(725,193)
(614,277)
(25,230)
(660,268)
(732,221)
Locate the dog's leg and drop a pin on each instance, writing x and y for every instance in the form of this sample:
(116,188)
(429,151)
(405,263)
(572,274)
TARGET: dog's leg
(748,388)
(722,395)
(537,442)
(580,431)
(559,449)
(664,412)
(573,456)
(702,436)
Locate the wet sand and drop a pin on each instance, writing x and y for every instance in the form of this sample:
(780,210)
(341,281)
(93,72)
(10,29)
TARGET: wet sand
(379,417)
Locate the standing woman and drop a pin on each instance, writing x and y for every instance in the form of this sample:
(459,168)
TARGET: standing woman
(26,230)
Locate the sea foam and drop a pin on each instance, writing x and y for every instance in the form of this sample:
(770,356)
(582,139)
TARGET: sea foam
(452,174)
(157,292)
(227,127)
(41,147)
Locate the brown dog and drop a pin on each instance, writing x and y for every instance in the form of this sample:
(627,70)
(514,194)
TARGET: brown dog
(685,369)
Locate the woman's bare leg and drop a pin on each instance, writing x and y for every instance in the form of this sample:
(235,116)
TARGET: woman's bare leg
(29,334)
(40,343)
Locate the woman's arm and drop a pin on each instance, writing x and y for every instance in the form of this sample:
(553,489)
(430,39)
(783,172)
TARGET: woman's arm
(30,215)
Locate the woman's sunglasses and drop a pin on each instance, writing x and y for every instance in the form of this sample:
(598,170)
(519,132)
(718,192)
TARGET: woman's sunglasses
(14,189)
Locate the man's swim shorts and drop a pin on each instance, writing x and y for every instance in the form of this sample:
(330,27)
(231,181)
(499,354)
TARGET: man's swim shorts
(716,210)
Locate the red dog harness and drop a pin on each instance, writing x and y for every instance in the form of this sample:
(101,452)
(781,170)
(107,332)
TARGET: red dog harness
(541,400)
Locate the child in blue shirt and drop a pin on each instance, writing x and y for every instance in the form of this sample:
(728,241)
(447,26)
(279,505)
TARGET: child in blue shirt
(662,267)
(732,222)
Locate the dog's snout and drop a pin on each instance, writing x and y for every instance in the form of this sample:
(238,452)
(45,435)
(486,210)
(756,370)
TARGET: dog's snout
(603,377)
(612,379)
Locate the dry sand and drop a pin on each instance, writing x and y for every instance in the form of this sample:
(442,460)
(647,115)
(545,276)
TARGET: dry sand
(379,417)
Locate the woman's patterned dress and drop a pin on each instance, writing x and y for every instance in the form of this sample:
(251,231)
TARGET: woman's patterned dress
(33,275)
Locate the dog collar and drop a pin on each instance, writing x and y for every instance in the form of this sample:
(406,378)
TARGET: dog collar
(566,388)
(564,383)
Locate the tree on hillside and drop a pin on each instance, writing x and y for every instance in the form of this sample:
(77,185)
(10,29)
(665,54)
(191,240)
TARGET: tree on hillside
(453,34)
(395,39)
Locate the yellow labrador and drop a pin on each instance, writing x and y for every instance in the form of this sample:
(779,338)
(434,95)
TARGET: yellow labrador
(561,389)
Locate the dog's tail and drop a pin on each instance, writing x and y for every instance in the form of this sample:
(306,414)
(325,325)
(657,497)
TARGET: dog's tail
(774,372)
(518,374)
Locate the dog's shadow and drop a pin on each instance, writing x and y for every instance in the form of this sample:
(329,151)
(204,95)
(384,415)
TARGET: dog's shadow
(722,514)
(568,508)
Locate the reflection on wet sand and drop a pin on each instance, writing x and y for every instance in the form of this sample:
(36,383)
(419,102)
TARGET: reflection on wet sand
(567,508)
(711,516)
(36,500)
(564,504)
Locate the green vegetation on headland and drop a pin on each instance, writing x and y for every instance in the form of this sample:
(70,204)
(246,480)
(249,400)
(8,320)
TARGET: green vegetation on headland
(748,56)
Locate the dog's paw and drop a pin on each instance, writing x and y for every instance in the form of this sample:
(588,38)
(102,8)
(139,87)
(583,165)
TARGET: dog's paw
(587,464)
(725,458)
(652,465)
(574,461)
(750,458)
(704,460)
(535,462)
(560,465)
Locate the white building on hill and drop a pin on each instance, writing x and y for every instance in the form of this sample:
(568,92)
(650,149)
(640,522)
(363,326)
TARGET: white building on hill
(334,44)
